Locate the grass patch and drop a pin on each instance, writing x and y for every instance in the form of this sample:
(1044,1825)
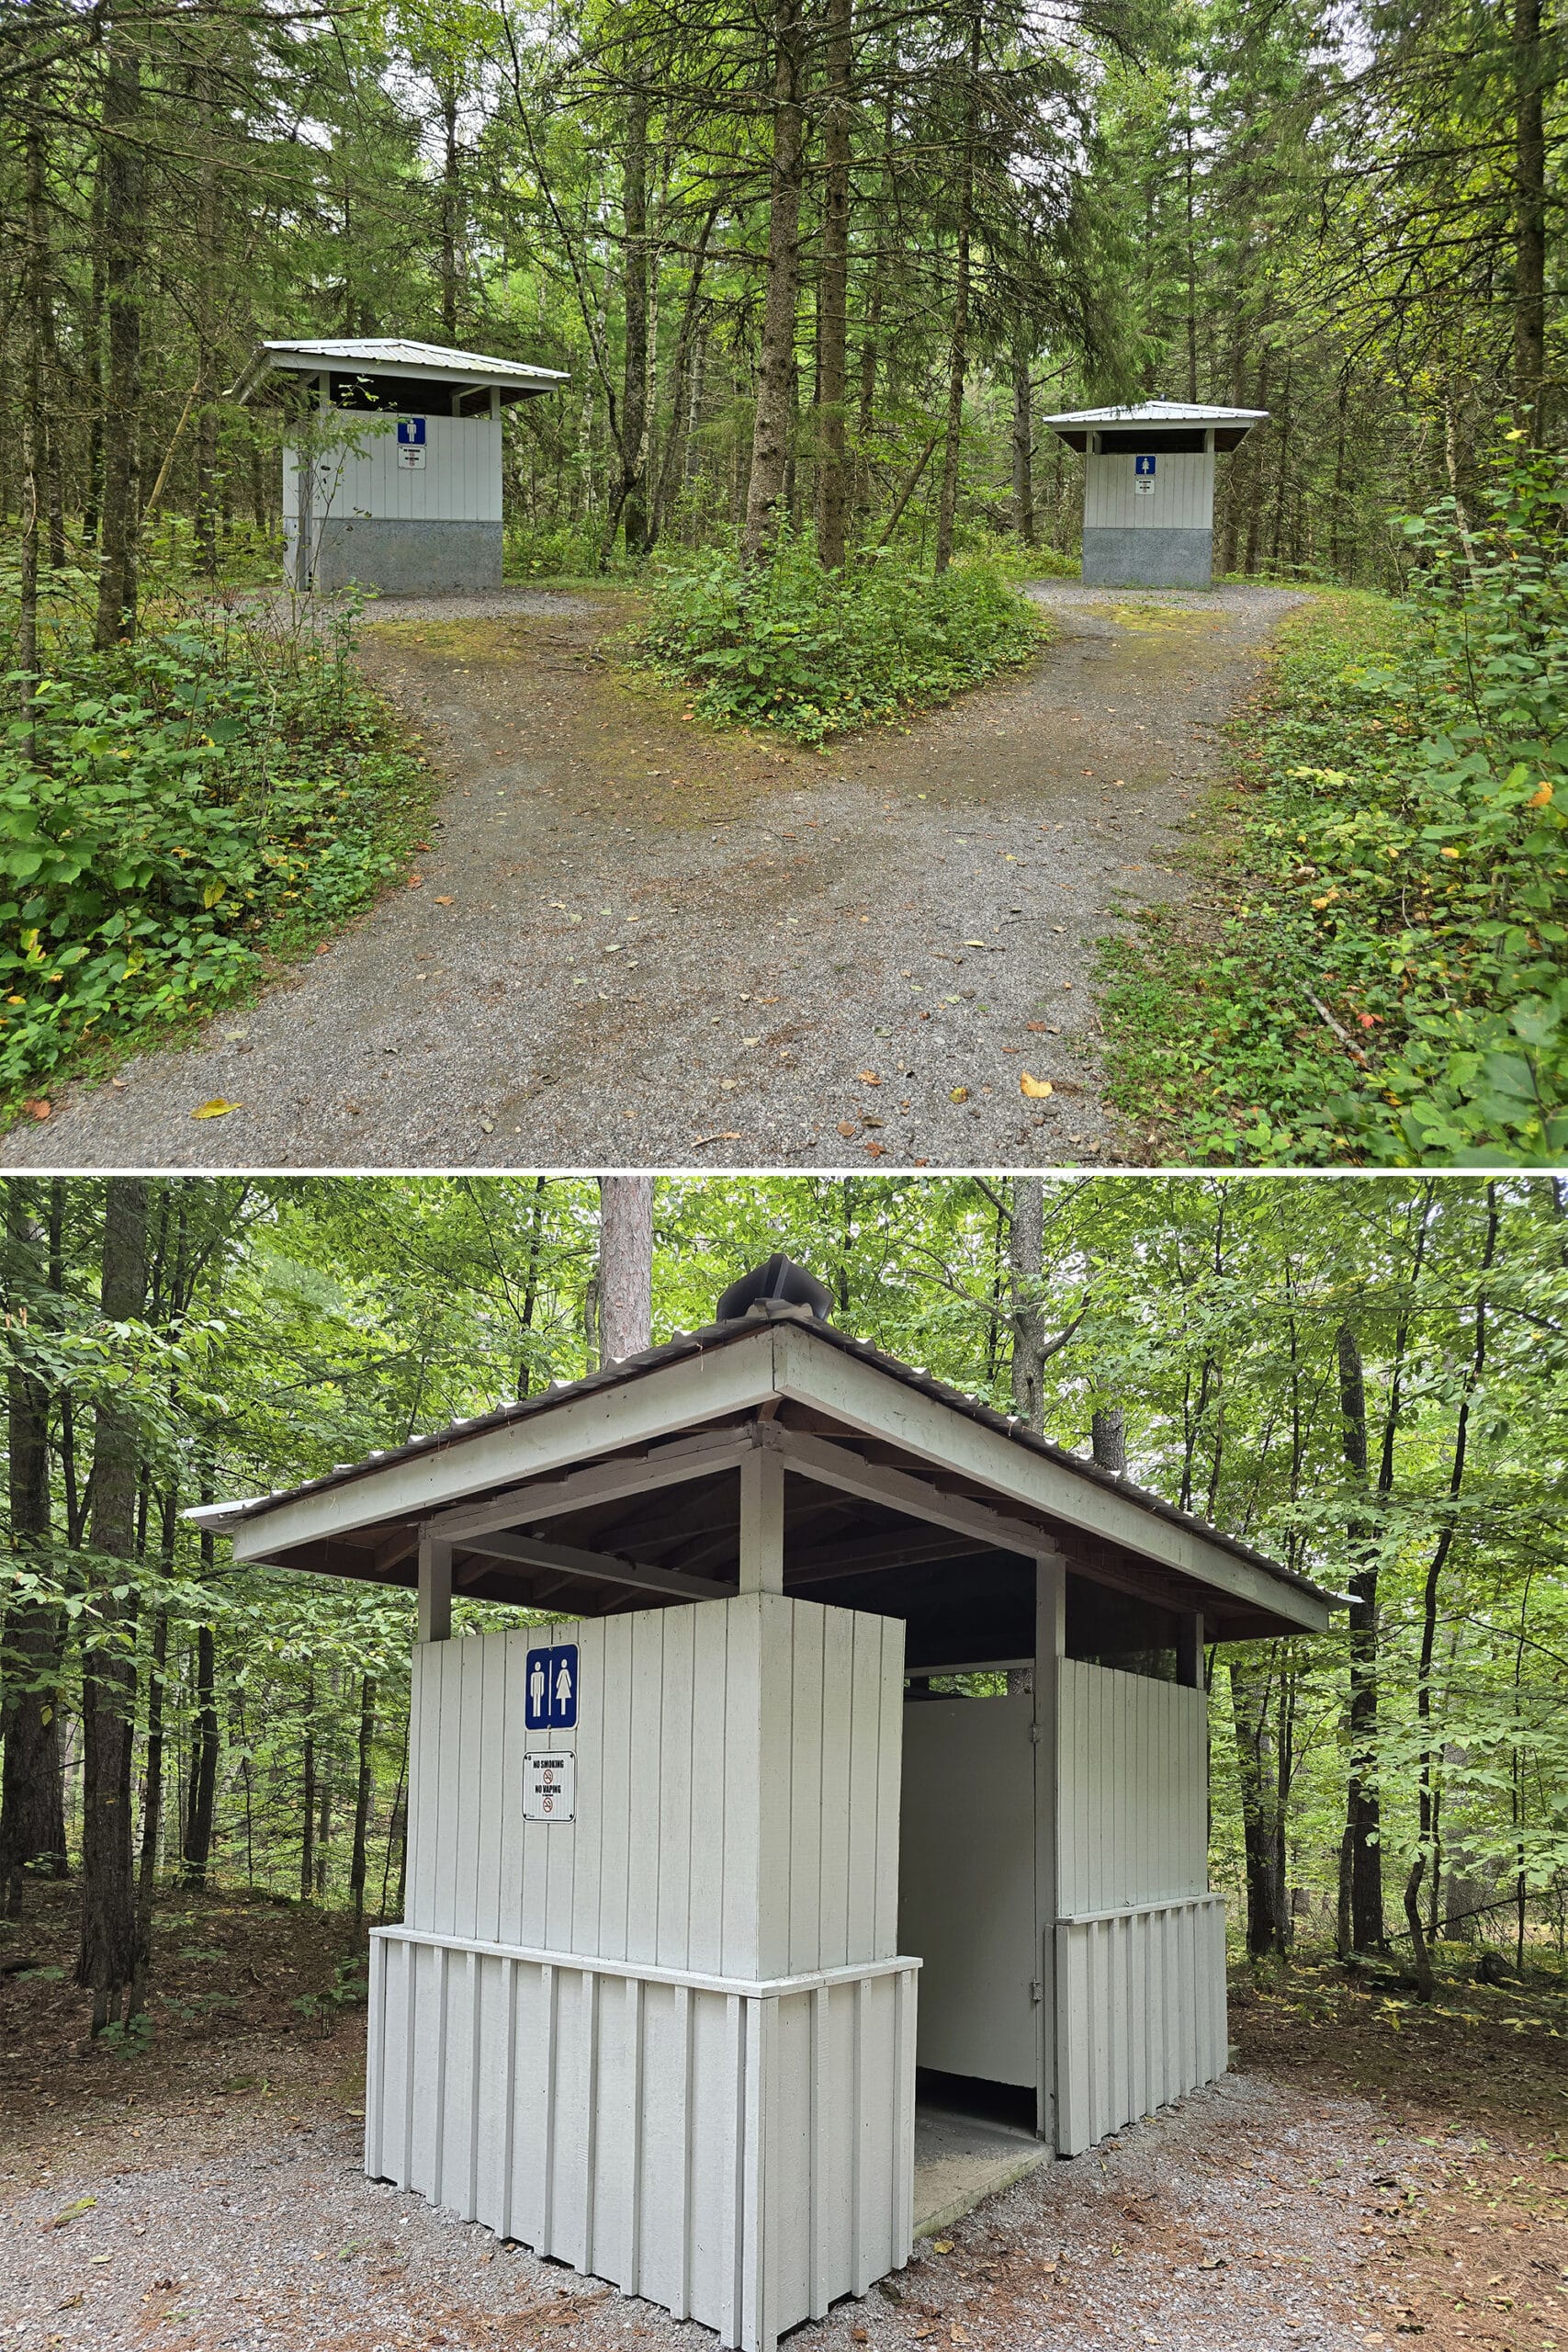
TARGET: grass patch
(1375,968)
(812,653)
(173,814)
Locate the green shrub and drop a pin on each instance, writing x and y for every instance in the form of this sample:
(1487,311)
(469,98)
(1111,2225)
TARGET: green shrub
(173,810)
(790,645)
(1389,982)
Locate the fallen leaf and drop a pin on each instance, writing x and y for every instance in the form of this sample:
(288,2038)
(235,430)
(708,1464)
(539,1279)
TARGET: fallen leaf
(219,1108)
(1038,1027)
(848,1127)
(860,2335)
(37,1109)
(868,1077)
(416,881)
(70,2212)
(1037,1088)
(958,1094)
(325,948)
(877,1151)
(446,902)
(941,2245)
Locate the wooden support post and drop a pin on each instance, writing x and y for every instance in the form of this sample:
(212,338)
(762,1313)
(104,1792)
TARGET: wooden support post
(495,404)
(434,1588)
(1190,1649)
(1050,1649)
(762,1521)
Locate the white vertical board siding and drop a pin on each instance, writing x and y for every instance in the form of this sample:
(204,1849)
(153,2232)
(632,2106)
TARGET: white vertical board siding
(740,2155)
(1140,1939)
(967,1893)
(1133,1760)
(1182,498)
(669,2041)
(1140,2014)
(458,482)
(738,1767)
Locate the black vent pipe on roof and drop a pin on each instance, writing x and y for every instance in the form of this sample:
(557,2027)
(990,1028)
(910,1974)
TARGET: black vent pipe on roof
(782,1280)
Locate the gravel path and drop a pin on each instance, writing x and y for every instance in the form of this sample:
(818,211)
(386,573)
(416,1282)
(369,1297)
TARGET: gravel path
(636,942)
(1251,2218)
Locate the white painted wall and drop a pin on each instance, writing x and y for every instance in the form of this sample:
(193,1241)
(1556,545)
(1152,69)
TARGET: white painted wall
(669,2041)
(1140,1942)
(968,1885)
(736,1791)
(458,482)
(1133,1807)
(1182,497)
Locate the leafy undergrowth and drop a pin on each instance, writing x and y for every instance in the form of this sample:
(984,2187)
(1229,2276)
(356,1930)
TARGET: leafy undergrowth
(810,652)
(1377,972)
(174,813)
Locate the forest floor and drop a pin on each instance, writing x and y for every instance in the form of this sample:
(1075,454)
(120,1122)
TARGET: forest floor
(1372,2173)
(637,940)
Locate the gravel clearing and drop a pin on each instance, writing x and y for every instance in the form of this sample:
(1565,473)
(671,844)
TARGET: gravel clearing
(639,943)
(1247,2218)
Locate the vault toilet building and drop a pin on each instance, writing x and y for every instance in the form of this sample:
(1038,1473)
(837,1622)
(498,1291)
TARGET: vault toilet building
(1149,502)
(698,1880)
(392,475)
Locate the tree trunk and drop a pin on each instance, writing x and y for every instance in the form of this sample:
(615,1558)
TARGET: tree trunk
(833,292)
(1026,1244)
(124,240)
(451,201)
(958,347)
(1530,205)
(1427,1808)
(32,1819)
(1022,448)
(106,1963)
(1262,1811)
(633,500)
(153,1789)
(775,372)
(308,1799)
(203,1762)
(1362,1821)
(625,1266)
(1107,1439)
(35,281)
(363,1785)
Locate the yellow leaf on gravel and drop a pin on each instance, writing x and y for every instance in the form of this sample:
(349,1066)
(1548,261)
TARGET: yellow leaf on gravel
(1036,1088)
(958,1094)
(444,902)
(219,1108)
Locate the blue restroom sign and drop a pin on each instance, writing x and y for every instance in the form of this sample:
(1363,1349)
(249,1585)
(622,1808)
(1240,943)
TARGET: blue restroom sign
(1144,466)
(549,1689)
(410,433)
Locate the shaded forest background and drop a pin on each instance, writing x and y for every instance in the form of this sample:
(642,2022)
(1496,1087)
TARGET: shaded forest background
(803,259)
(1365,1378)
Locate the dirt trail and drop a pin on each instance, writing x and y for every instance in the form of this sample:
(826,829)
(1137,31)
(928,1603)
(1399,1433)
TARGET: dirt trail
(636,942)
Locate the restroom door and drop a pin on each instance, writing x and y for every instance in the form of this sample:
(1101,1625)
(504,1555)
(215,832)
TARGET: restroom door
(966,1884)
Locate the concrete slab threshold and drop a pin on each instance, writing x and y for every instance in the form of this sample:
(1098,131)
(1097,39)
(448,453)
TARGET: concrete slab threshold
(960,2160)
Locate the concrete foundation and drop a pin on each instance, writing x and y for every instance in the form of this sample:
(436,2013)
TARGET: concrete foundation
(960,2160)
(400,558)
(1129,557)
